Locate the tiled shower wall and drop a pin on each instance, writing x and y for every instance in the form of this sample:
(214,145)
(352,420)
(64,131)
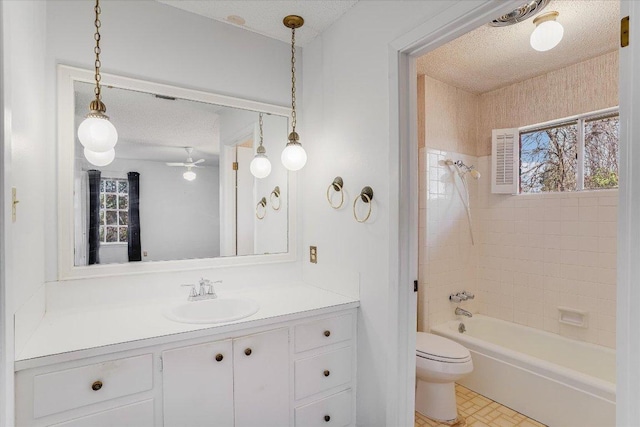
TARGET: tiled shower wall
(533,253)
(538,252)
(448,260)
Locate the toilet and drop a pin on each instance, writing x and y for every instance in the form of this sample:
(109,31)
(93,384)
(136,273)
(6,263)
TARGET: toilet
(439,363)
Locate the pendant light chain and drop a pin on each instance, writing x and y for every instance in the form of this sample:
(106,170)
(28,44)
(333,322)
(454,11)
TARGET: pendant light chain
(293,79)
(97,51)
(260,124)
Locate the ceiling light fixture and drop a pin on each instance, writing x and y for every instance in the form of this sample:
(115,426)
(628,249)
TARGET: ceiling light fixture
(293,156)
(189,175)
(548,32)
(260,166)
(96,133)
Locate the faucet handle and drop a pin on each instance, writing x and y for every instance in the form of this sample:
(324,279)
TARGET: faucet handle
(462,295)
(469,295)
(193,292)
(455,298)
(210,290)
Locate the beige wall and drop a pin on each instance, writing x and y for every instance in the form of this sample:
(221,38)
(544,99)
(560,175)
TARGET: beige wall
(580,88)
(451,115)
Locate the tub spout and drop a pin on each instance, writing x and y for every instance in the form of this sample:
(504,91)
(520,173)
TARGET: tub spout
(463,312)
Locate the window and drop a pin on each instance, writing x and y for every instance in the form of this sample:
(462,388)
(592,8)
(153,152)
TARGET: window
(114,210)
(571,155)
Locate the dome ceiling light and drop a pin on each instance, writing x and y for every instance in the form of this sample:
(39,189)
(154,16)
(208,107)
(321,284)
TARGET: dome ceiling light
(548,32)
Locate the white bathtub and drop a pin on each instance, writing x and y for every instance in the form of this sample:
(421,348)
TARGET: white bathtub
(557,381)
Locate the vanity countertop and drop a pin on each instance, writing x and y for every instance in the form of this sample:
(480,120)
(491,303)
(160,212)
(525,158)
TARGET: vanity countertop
(88,331)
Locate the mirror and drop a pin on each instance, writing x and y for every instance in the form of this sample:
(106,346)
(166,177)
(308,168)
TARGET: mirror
(179,187)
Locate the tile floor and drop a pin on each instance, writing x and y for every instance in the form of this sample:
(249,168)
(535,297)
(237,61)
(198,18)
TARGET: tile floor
(479,411)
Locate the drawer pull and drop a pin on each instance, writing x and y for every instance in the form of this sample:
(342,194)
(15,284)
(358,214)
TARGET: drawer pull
(327,333)
(97,385)
(248,352)
(327,418)
(219,357)
(326,373)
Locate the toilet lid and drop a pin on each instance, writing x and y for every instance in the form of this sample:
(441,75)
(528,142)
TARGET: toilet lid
(439,348)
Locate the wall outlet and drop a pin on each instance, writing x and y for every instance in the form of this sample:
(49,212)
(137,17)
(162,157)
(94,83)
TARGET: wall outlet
(313,254)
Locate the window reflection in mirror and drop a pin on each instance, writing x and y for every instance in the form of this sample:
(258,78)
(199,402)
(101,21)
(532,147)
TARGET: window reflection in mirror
(180,186)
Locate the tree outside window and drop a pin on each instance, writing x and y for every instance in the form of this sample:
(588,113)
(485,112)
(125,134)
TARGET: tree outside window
(114,210)
(549,157)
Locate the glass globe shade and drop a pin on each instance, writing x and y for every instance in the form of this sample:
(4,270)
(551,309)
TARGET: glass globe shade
(97,134)
(546,36)
(294,157)
(260,166)
(189,175)
(100,159)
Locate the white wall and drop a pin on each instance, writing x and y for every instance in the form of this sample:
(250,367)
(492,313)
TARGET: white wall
(25,136)
(346,113)
(152,41)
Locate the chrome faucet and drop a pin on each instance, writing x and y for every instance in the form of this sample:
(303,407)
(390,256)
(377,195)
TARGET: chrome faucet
(463,312)
(206,290)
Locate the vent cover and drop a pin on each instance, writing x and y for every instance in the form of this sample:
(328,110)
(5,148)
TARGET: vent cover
(522,13)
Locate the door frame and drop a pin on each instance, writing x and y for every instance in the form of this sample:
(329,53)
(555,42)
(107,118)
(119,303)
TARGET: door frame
(460,18)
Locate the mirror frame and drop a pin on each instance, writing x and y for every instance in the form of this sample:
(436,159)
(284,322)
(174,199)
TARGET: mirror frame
(67,270)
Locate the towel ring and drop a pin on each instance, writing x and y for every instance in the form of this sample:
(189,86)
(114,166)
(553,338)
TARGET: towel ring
(263,203)
(366,195)
(276,193)
(337,187)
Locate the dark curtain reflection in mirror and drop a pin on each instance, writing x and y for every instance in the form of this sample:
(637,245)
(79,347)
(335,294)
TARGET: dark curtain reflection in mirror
(94,217)
(134,248)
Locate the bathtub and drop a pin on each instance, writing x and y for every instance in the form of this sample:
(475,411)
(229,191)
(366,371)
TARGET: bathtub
(555,380)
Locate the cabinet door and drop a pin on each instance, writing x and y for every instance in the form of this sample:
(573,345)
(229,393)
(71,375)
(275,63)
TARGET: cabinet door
(261,379)
(198,385)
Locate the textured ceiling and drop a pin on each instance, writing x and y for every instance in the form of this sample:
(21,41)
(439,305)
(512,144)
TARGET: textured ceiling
(157,129)
(265,16)
(489,58)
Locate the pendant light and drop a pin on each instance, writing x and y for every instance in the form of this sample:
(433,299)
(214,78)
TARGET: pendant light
(260,166)
(293,156)
(548,32)
(96,133)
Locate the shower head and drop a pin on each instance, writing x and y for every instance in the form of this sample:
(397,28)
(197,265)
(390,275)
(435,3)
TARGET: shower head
(464,169)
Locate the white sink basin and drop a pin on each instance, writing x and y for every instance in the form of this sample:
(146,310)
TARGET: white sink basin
(217,310)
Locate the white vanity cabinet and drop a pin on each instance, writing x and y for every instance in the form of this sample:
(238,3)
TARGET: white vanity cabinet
(242,382)
(298,371)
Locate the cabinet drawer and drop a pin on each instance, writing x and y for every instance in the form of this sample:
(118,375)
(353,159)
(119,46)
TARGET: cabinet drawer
(334,411)
(322,372)
(63,390)
(136,415)
(322,332)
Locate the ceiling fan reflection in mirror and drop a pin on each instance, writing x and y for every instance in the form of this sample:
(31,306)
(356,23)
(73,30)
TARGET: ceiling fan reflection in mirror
(189,175)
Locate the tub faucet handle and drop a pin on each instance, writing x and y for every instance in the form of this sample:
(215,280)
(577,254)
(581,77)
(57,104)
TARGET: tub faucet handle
(463,296)
(469,295)
(455,298)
